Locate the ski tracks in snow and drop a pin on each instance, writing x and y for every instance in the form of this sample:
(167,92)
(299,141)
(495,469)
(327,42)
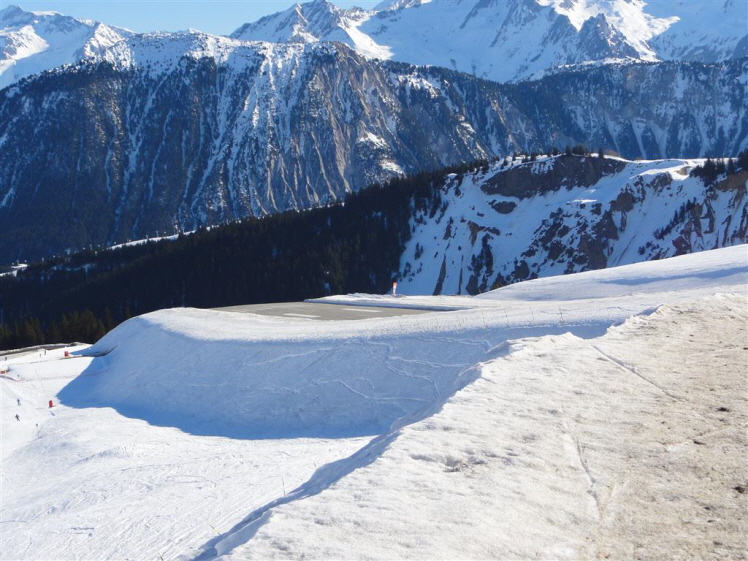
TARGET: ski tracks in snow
(323,478)
(633,371)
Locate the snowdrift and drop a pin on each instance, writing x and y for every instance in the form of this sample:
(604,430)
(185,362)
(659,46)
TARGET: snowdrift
(329,386)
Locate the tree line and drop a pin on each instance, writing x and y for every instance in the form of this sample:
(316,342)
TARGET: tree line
(74,326)
(711,170)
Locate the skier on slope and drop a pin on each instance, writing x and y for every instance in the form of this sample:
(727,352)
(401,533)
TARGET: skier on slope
(18,399)
(17,417)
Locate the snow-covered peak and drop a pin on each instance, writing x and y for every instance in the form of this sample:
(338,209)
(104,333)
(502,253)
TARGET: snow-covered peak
(627,16)
(11,15)
(301,23)
(312,22)
(15,15)
(398,4)
(502,40)
(32,42)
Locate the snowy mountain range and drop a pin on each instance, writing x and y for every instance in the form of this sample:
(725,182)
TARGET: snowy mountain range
(182,130)
(500,40)
(132,135)
(509,40)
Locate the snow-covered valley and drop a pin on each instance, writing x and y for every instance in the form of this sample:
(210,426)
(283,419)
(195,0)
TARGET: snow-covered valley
(602,413)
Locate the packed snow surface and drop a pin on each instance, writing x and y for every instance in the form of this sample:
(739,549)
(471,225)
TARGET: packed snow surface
(563,417)
(629,445)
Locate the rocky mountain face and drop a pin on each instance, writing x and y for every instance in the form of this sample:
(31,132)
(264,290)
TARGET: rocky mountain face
(511,40)
(514,221)
(176,131)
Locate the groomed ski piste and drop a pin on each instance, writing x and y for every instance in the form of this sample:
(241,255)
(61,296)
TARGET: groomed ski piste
(601,414)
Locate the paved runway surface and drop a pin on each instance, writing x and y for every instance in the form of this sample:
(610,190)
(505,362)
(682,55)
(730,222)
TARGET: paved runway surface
(320,312)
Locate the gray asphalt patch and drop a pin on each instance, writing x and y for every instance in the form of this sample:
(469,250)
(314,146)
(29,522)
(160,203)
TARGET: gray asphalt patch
(320,312)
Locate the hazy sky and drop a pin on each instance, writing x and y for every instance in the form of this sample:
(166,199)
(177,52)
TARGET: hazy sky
(216,16)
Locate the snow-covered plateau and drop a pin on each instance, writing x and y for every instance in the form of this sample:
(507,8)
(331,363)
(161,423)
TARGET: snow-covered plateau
(600,414)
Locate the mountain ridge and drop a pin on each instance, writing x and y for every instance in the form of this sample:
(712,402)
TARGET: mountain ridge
(167,141)
(528,37)
(505,41)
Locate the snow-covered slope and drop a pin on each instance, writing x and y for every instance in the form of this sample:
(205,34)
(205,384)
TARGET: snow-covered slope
(566,448)
(32,42)
(564,214)
(205,433)
(509,40)
(91,484)
(705,31)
